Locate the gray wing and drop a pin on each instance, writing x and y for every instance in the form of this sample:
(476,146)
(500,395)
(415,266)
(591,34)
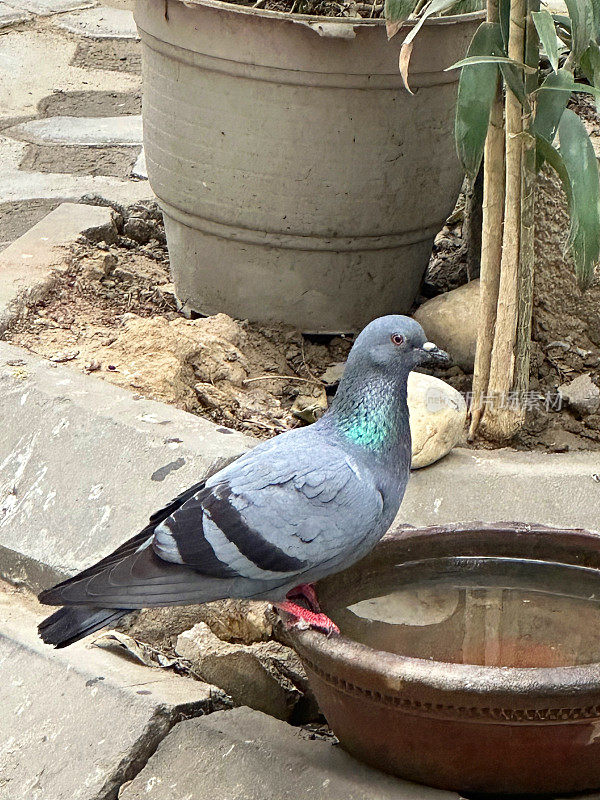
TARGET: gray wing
(272,515)
(267,519)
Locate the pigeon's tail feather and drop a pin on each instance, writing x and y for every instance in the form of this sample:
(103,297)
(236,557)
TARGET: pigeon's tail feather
(71,623)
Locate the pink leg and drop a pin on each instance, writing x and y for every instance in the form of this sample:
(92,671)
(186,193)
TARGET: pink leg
(306,591)
(305,618)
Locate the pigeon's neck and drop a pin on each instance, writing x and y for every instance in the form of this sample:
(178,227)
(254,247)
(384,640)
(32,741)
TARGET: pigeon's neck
(373,413)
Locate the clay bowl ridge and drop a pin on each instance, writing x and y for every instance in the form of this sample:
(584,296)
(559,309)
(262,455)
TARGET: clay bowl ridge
(460,726)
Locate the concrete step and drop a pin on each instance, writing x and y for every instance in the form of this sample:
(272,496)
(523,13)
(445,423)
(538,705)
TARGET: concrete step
(99,23)
(45,8)
(245,755)
(83,464)
(77,723)
(11,16)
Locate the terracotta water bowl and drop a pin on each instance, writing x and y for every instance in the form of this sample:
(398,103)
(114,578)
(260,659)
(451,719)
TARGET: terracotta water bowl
(448,697)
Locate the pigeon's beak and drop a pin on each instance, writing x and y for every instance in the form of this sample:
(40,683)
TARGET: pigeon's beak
(435,354)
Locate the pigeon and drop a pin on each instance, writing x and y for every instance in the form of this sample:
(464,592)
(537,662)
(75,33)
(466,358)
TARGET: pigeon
(294,509)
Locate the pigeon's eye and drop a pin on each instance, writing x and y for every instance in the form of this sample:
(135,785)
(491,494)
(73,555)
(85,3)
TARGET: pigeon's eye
(397,338)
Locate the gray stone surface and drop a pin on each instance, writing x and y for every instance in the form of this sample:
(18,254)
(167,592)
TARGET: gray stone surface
(245,755)
(17,186)
(48,7)
(28,265)
(11,16)
(83,464)
(99,23)
(581,394)
(263,675)
(23,51)
(76,723)
(139,168)
(75,67)
(559,489)
(93,131)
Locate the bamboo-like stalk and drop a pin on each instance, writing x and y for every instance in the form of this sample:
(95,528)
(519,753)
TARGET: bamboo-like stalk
(491,244)
(527,254)
(501,419)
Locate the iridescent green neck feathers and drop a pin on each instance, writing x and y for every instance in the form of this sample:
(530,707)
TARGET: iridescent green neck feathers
(373,416)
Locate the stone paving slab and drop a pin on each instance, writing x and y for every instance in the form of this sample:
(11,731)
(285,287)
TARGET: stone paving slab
(17,186)
(21,54)
(10,16)
(559,489)
(99,23)
(245,755)
(91,131)
(83,464)
(76,723)
(139,168)
(46,8)
(27,266)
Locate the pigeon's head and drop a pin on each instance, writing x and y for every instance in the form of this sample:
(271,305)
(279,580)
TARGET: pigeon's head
(396,344)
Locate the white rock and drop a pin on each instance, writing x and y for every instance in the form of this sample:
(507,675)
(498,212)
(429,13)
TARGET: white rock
(581,394)
(437,418)
(450,320)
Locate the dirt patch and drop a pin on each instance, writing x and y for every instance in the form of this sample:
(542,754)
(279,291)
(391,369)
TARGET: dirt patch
(101,103)
(118,55)
(110,161)
(113,313)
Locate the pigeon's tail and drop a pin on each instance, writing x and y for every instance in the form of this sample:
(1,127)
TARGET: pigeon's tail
(71,623)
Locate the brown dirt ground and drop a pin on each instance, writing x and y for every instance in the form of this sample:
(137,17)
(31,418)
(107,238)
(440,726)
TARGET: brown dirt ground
(113,314)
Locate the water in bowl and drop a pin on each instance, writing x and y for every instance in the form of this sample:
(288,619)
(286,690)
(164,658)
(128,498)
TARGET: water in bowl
(489,611)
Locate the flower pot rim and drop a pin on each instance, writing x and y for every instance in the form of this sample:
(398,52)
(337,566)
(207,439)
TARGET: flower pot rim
(222,5)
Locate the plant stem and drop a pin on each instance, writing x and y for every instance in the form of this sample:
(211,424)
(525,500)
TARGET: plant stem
(501,420)
(527,254)
(491,244)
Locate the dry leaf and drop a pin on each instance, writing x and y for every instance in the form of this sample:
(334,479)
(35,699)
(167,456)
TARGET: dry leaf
(140,650)
(392,28)
(404,61)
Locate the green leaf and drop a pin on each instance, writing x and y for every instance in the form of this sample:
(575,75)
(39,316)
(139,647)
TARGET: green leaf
(590,64)
(553,96)
(550,154)
(491,59)
(398,10)
(583,25)
(580,161)
(514,80)
(546,31)
(596,13)
(476,92)
(573,86)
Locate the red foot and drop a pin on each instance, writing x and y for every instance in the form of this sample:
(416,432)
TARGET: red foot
(306,592)
(304,618)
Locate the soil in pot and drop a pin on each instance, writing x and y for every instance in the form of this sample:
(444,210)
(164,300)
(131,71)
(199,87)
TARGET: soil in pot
(112,313)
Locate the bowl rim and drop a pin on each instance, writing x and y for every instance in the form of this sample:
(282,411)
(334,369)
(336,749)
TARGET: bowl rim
(402,673)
